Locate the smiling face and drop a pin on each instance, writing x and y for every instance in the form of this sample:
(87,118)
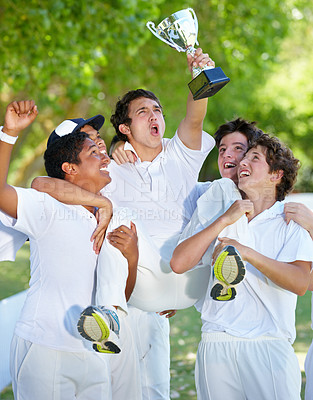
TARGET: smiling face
(95,136)
(255,176)
(91,173)
(231,151)
(146,129)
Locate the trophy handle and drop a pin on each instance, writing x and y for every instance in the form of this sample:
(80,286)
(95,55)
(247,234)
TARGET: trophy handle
(195,21)
(150,25)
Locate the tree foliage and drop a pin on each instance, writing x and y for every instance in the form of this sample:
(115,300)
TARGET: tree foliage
(76,57)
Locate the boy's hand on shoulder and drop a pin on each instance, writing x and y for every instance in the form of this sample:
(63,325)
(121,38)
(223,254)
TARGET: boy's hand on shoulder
(121,156)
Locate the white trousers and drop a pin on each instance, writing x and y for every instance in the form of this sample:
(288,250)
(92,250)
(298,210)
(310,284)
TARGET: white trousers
(39,372)
(149,335)
(157,287)
(234,368)
(308,367)
(125,368)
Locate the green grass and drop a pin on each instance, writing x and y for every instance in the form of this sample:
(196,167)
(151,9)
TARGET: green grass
(185,330)
(14,276)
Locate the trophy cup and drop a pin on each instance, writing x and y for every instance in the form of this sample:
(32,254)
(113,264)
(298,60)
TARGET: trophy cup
(180,31)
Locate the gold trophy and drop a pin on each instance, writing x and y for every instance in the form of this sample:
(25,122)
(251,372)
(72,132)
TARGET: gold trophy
(180,31)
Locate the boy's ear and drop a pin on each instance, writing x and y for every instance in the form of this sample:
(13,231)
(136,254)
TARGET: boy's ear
(277,175)
(125,129)
(69,168)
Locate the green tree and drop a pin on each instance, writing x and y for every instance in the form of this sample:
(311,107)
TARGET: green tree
(76,57)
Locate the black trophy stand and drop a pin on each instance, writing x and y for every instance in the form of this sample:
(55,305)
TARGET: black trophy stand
(207,83)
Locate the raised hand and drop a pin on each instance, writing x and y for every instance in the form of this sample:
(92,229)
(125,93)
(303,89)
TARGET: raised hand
(301,214)
(199,59)
(19,115)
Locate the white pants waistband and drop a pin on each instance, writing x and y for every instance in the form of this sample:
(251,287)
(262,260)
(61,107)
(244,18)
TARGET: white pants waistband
(226,337)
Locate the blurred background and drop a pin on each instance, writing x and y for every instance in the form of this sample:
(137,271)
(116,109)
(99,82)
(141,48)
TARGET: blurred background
(75,58)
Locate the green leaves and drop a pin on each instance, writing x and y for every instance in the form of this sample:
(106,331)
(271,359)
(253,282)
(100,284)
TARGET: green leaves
(76,57)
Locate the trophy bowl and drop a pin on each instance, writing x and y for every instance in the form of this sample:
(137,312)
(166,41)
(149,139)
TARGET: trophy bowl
(180,31)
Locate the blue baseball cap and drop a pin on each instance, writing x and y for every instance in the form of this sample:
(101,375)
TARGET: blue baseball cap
(74,125)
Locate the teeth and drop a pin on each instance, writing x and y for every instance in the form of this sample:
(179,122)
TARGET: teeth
(229,165)
(244,173)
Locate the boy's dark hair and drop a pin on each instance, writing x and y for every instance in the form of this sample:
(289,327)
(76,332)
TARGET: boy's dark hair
(65,149)
(279,157)
(120,115)
(248,129)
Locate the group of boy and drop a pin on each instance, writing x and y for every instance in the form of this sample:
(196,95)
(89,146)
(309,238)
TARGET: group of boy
(162,179)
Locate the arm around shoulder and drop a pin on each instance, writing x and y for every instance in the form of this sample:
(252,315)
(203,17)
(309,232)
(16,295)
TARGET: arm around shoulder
(68,193)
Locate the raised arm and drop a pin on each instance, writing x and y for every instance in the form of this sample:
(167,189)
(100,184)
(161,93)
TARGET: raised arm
(190,128)
(189,252)
(19,115)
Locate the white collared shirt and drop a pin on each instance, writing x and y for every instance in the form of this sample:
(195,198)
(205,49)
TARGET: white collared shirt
(63,266)
(160,193)
(260,307)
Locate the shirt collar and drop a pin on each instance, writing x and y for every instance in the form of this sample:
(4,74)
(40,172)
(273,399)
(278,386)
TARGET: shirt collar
(128,146)
(272,212)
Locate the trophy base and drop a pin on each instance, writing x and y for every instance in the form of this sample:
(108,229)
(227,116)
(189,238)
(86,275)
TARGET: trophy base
(207,83)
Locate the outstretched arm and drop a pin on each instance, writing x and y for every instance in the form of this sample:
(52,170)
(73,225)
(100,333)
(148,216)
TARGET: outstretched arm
(190,128)
(189,252)
(19,115)
(293,276)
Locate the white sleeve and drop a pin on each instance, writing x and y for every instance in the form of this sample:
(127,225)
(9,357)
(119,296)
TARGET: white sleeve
(193,159)
(202,187)
(298,245)
(211,205)
(35,210)
(216,200)
(11,240)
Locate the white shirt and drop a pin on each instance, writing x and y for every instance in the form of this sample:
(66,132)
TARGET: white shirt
(62,269)
(160,193)
(10,239)
(261,307)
